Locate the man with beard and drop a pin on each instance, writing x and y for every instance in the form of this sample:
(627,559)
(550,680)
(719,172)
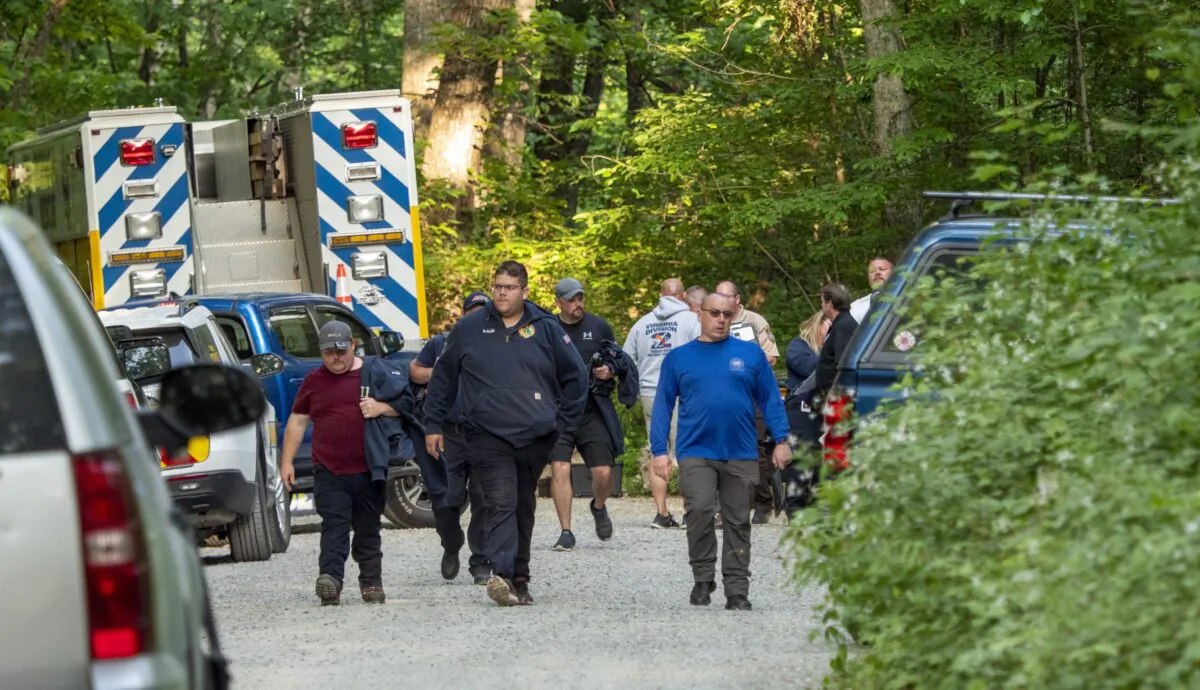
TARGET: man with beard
(587,331)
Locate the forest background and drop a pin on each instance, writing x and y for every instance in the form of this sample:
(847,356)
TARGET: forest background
(777,143)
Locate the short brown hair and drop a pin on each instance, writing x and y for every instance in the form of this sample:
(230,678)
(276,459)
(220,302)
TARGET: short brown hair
(513,269)
(837,295)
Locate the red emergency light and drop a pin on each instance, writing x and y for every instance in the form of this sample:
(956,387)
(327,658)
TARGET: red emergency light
(137,152)
(359,135)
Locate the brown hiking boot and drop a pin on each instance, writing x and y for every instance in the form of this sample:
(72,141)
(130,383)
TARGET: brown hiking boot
(501,591)
(373,594)
(329,590)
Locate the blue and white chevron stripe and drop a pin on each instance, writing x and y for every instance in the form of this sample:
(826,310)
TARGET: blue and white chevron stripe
(403,300)
(171,202)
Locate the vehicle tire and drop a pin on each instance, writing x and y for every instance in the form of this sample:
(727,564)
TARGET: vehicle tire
(407,503)
(280,514)
(249,536)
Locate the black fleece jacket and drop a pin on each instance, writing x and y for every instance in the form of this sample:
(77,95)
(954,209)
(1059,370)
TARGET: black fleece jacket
(518,383)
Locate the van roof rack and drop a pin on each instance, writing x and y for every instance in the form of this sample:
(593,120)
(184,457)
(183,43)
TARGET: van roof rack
(961,200)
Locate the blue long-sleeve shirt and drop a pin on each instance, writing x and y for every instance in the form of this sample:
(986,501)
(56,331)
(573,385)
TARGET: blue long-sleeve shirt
(718,386)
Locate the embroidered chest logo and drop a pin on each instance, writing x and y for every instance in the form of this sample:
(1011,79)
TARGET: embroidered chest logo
(587,335)
(737,365)
(527,331)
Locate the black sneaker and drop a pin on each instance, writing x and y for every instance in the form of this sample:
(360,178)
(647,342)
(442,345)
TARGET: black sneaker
(604,526)
(481,574)
(501,591)
(450,565)
(737,602)
(566,541)
(329,590)
(701,593)
(524,598)
(373,594)
(667,521)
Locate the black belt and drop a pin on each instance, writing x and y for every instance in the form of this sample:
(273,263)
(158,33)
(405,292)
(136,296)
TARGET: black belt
(452,428)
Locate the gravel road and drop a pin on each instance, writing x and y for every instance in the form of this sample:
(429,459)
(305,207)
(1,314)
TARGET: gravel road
(608,615)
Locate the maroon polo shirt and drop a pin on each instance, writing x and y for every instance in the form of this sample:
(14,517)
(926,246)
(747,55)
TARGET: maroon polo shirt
(331,400)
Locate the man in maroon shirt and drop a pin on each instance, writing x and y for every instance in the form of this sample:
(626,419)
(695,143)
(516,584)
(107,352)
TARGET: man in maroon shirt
(345,497)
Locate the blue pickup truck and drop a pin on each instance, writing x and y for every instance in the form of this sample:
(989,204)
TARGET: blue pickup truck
(276,335)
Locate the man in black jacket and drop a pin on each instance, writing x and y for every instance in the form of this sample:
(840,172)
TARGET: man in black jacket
(521,385)
(835,303)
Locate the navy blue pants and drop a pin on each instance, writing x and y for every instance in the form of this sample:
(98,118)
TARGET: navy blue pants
(460,485)
(508,477)
(349,502)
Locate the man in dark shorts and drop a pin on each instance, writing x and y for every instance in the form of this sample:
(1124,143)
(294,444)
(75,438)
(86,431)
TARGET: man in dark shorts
(346,497)
(448,521)
(592,438)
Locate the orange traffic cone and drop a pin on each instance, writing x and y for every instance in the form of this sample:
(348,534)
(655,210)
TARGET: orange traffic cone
(342,293)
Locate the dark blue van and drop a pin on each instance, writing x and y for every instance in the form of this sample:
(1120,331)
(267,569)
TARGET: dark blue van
(882,349)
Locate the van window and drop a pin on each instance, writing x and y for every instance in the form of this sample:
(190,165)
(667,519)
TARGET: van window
(296,332)
(898,338)
(29,417)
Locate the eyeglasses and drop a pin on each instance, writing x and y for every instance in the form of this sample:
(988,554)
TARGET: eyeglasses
(497,287)
(717,313)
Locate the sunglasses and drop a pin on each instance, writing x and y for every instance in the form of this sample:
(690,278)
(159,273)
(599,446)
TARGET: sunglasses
(717,313)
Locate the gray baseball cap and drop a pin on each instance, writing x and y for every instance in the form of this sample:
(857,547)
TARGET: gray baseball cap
(567,288)
(335,335)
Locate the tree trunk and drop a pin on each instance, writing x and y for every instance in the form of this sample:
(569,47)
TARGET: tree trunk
(557,86)
(890,101)
(893,113)
(41,41)
(150,52)
(507,142)
(1085,115)
(636,97)
(463,103)
(418,80)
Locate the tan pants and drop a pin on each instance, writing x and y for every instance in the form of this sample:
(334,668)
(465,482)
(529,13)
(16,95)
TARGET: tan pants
(647,411)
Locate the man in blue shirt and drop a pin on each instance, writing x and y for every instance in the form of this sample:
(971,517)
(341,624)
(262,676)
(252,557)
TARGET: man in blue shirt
(718,382)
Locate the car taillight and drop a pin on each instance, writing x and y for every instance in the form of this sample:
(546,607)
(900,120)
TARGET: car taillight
(137,152)
(358,135)
(131,399)
(838,414)
(114,557)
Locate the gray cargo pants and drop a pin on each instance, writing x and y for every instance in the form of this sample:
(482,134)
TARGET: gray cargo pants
(709,486)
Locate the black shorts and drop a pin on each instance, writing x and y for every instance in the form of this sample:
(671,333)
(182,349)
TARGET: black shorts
(592,440)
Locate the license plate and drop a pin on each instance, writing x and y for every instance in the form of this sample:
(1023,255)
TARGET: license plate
(302,504)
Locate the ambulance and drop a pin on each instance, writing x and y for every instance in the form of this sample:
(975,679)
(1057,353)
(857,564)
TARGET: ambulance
(140,203)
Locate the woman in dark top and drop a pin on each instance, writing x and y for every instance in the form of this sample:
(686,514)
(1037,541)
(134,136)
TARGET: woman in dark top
(802,352)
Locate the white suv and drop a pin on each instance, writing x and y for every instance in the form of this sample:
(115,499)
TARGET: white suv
(228,482)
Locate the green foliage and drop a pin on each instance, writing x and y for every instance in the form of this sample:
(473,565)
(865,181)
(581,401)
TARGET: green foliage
(1026,518)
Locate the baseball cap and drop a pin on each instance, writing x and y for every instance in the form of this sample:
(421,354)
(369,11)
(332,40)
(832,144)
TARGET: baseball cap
(568,288)
(335,335)
(475,299)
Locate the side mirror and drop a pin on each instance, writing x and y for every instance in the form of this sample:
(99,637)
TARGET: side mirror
(391,341)
(200,400)
(146,361)
(266,365)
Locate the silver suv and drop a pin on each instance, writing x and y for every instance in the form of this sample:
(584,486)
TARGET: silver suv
(228,482)
(103,583)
